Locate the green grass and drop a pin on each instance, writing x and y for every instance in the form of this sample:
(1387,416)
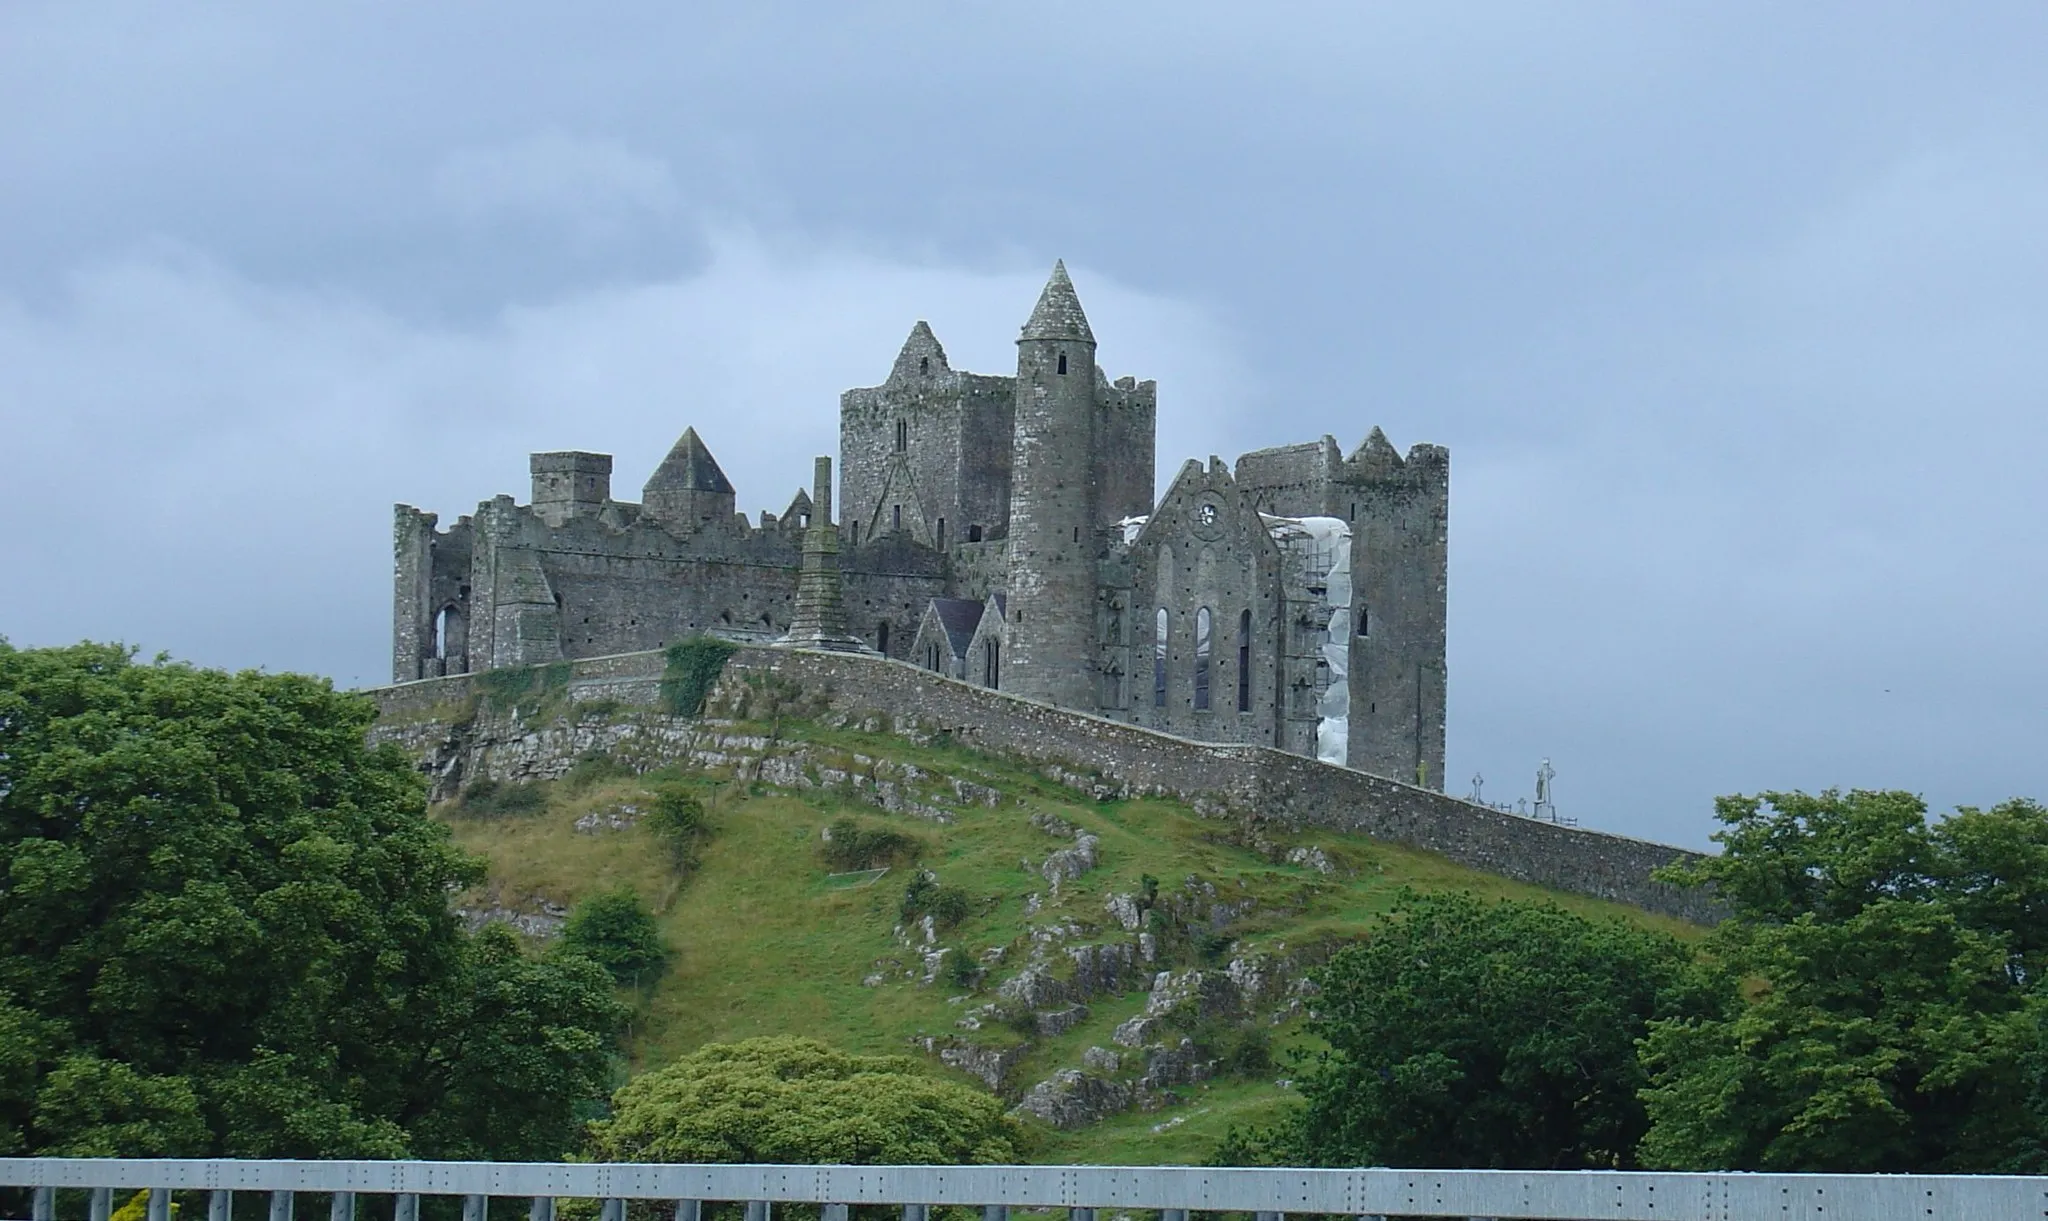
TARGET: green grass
(763,943)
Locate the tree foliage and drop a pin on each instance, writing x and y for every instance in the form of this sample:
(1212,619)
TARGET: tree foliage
(1897,1017)
(794,1100)
(225,929)
(614,929)
(1467,1034)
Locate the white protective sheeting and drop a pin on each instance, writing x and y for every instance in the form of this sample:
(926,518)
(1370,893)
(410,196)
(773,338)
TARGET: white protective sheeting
(1325,542)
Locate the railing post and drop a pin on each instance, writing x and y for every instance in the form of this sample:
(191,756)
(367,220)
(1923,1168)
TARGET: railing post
(612,1210)
(281,1206)
(995,1212)
(834,1212)
(917,1212)
(340,1207)
(757,1210)
(543,1209)
(43,1204)
(1266,1216)
(405,1206)
(220,1206)
(1080,1214)
(1173,1214)
(102,1206)
(476,1208)
(689,1210)
(159,1204)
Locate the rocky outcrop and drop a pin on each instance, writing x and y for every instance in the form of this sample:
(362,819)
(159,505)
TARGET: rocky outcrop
(1071,1098)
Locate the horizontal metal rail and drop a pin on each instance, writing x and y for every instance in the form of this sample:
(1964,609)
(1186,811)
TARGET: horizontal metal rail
(1172,1190)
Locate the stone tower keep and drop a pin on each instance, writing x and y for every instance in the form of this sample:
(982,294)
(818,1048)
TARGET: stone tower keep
(1054,505)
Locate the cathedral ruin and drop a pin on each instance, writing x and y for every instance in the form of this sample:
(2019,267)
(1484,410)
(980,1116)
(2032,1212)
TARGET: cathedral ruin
(1002,531)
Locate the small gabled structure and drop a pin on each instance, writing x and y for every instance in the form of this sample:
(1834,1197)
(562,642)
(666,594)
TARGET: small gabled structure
(688,491)
(945,634)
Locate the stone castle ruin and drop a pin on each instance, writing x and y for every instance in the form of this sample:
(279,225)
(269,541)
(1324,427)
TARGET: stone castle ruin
(999,530)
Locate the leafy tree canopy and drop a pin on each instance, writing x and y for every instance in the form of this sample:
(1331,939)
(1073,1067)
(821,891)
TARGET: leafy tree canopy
(224,929)
(794,1100)
(1467,1034)
(1897,1015)
(614,929)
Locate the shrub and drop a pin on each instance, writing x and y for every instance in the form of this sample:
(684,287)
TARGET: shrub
(592,770)
(675,818)
(849,846)
(497,799)
(793,1100)
(946,905)
(615,930)
(692,670)
(961,969)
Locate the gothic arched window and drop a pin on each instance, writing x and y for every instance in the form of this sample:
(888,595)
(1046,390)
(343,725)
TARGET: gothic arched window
(1202,658)
(1159,660)
(1244,662)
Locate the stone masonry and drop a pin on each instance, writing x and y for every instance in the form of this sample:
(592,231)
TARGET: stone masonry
(1000,530)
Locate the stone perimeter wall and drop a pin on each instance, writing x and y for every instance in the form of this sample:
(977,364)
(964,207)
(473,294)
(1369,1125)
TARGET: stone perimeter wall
(1222,779)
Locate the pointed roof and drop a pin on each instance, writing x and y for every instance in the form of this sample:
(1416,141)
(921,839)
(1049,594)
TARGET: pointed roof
(1376,451)
(690,467)
(922,355)
(1059,314)
(958,617)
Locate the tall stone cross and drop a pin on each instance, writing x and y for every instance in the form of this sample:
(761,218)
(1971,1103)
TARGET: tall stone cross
(820,618)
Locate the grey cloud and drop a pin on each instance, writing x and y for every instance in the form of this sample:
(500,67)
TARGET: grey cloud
(1730,314)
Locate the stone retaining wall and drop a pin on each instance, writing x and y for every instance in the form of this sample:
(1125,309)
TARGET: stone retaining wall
(1110,758)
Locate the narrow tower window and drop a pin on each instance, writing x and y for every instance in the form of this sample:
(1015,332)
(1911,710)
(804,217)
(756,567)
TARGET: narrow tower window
(1364,623)
(1202,658)
(942,533)
(1159,660)
(974,534)
(1244,662)
(896,517)
(991,665)
(1063,364)
(855,540)
(902,436)
(882,638)
(924,364)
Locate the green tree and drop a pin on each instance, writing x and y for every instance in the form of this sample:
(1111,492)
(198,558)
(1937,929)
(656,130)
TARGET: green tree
(1896,1016)
(793,1100)
(225,929)
(614,929)
(1467,1034)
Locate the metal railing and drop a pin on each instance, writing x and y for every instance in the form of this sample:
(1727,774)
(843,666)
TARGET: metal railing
(1173,1192)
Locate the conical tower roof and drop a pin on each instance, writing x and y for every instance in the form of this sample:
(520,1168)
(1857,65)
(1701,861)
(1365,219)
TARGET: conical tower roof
(689,467)
(1059,314)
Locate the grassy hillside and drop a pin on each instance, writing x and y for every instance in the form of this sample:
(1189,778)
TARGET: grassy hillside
(763,942)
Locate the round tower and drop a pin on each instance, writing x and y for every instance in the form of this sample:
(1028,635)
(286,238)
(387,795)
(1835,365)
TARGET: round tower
(1050,649)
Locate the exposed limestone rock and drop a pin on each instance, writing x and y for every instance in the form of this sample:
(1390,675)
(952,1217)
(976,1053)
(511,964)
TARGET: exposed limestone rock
(545,923)
(1052,824)
(1103,970)
(1070,863)
(991,1064)
(1135,1032)
(1101,1059)
(1053,1023)
(1124,910)
(1313,858)
(1034,987)
(1180,1064)
(618,818)
(1071,1098)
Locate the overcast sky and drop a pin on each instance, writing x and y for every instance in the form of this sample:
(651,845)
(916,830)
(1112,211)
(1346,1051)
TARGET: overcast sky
(1734,317)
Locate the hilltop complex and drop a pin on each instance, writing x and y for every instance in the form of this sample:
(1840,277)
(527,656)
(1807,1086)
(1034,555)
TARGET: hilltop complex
(998,530)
